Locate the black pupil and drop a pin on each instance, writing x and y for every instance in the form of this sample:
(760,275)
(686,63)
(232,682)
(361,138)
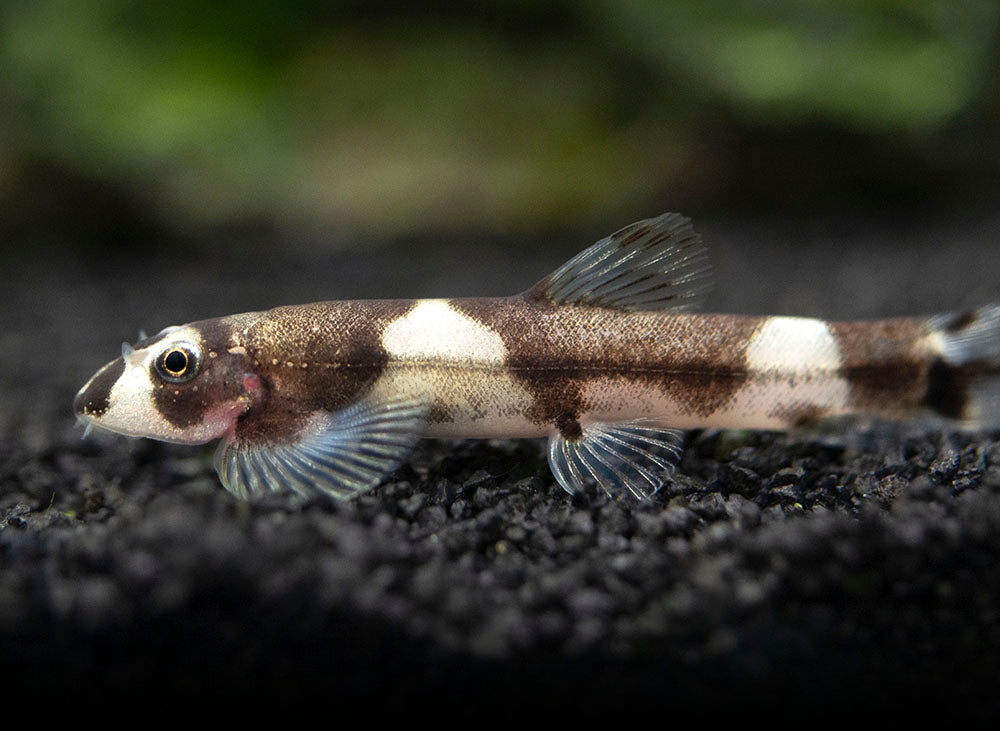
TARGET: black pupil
(176,361)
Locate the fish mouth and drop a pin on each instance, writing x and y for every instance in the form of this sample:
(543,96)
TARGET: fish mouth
(85,416)
(89,424)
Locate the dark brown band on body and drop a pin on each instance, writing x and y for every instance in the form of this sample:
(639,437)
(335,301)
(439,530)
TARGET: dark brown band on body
(885,363)
(699,361)
(947,390)
(322,356)
(705,360)
(951,387)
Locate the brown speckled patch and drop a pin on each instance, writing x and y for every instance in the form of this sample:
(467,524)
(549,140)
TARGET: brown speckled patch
(570,429)
(554,351)
(884,362)
(440,413)
(797,416)
(705,360)
(321,356)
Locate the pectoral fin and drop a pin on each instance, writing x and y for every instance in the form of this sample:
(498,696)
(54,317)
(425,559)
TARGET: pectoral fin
(636,456)
(340,454)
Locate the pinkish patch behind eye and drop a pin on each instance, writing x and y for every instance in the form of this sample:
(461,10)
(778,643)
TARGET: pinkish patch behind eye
(221,420)
(251,382)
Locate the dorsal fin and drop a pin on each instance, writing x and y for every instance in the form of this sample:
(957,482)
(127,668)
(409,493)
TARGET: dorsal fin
(655,264)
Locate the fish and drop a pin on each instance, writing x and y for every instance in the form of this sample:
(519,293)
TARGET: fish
(607,358)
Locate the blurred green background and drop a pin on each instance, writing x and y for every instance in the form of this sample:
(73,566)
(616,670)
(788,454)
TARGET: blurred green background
(121,119)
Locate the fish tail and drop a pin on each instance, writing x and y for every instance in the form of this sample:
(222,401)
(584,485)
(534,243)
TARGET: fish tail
(964,379)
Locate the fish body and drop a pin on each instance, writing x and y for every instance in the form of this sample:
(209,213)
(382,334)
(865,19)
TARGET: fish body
(603,357)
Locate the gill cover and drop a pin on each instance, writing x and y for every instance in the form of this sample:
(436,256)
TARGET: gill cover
(165,388)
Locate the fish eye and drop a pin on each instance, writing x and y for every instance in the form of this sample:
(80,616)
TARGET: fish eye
(178,363)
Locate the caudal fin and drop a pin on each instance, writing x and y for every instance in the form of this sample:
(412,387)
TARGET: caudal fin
(964,383)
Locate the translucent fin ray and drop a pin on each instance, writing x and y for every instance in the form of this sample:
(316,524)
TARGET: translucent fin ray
(636,457)
(339,454)
(969,337)
(655,264)
(966,385)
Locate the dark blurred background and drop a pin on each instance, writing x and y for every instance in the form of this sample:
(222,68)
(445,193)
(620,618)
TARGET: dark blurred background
(351,121)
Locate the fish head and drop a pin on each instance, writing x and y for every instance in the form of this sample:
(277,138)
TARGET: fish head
(187,384)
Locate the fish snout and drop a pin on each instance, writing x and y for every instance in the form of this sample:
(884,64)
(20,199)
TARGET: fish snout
(95,397)
(80,402)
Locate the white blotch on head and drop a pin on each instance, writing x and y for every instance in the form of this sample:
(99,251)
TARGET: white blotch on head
(131,407)
(434,331)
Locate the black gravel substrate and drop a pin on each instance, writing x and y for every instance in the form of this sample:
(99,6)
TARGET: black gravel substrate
(817,575)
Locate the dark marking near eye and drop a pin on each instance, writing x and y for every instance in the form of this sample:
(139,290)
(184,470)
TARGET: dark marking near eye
(219,380)
(183,405)
(95,400)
